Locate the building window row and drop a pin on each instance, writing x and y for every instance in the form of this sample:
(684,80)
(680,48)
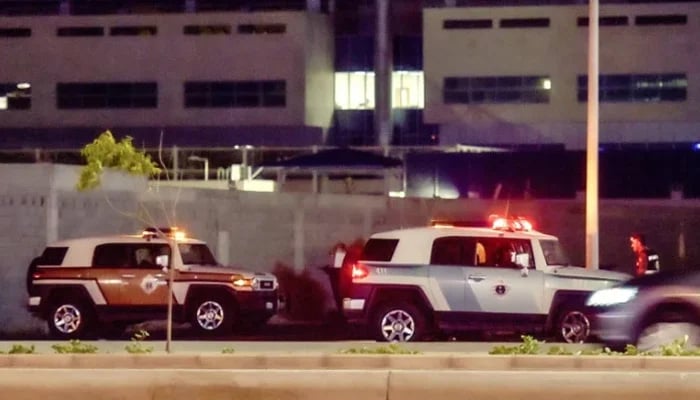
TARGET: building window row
(496,89)
(86,31)
(220,94)
(148,30)
(107,95)
(639,20)
(640,88)
(637,87)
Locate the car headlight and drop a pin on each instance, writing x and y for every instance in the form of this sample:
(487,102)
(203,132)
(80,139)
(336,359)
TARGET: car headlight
(611,296)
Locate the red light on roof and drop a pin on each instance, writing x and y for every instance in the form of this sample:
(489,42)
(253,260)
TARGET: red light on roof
(511,224)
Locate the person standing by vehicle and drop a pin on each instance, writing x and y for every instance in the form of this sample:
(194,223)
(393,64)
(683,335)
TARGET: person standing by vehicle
(647,261)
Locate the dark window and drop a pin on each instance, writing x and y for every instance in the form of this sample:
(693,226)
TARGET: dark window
(112,255)
(467,24)
(227,94)
(354,53)
(207,30)
(503,252)
(261,28)
(81,31)
(196,254)
(53,256)
(15,32)
(15,96)
(107,95)
(133,31)
(379,249)
(637,88)
(408,53)
(645,20)
(453,250)
(496,89)
(525,23)
(605,21)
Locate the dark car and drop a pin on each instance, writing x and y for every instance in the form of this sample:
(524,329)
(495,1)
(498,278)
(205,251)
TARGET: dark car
(649,311)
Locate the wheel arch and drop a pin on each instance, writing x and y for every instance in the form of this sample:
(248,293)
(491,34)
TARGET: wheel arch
(565,300)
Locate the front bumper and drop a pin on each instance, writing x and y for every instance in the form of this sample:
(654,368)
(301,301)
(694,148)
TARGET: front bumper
(615,327)
(261,303)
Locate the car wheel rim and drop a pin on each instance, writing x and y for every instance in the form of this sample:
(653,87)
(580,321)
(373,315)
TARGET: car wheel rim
(398,326)
(664,333)
(575,327)
(210,315)
(67,319)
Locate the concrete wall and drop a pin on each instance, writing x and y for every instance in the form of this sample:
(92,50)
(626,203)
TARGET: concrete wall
(169,58)
(258,230)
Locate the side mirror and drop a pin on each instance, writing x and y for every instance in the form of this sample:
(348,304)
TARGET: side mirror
(522,260)
(163,261)
(524,271)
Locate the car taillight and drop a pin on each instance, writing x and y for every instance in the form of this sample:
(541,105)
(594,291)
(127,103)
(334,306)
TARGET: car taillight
(359,271)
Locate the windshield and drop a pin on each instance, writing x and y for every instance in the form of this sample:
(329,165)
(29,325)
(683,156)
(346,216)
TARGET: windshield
(554,253)
(196,254)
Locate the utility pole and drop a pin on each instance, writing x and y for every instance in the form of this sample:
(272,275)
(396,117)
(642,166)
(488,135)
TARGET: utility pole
(382,75)
(592,231)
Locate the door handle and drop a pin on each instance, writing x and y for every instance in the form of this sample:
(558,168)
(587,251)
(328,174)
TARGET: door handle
(476,278)
(128,276)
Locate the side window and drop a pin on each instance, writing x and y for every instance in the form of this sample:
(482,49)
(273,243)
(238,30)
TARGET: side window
(114,255)
(453,250)
(146,255)
(379,249)
(506,253)
(53,256)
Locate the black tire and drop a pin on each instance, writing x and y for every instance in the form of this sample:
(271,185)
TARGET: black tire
(573,325)
(402,322)
(212,315)
(688,319)
(70,318)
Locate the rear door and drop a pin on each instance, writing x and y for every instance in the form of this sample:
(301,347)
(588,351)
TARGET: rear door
(449,258)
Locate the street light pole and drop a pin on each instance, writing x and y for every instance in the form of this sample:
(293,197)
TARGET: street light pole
(592,231)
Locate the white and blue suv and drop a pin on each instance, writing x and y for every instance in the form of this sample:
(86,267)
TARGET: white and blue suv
(412,283)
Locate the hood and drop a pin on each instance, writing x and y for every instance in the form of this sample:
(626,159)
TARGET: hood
(579,272)
(665,277)
(227,270)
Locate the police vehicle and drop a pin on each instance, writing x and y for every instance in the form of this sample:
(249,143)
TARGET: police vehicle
(412,283)
(81,285)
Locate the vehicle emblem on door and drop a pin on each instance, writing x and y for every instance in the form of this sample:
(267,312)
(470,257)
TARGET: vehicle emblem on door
(149,284)
(500,289)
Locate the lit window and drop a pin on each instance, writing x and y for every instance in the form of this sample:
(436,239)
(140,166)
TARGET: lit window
(355,90)
(15,96)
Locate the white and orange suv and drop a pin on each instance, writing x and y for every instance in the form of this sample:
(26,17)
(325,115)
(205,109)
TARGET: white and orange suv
(81,285)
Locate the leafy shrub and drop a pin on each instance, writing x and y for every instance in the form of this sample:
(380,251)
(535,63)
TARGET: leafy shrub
(529,345)
(390,349)
(20,349)
(678,347)
(304,296)
(136,346)
(75,346)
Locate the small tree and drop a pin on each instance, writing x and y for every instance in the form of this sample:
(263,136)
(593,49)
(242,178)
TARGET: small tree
(105,153)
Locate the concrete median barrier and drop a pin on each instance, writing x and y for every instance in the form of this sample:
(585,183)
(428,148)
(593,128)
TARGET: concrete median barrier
(315,361)
(158,384)
(204,384)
